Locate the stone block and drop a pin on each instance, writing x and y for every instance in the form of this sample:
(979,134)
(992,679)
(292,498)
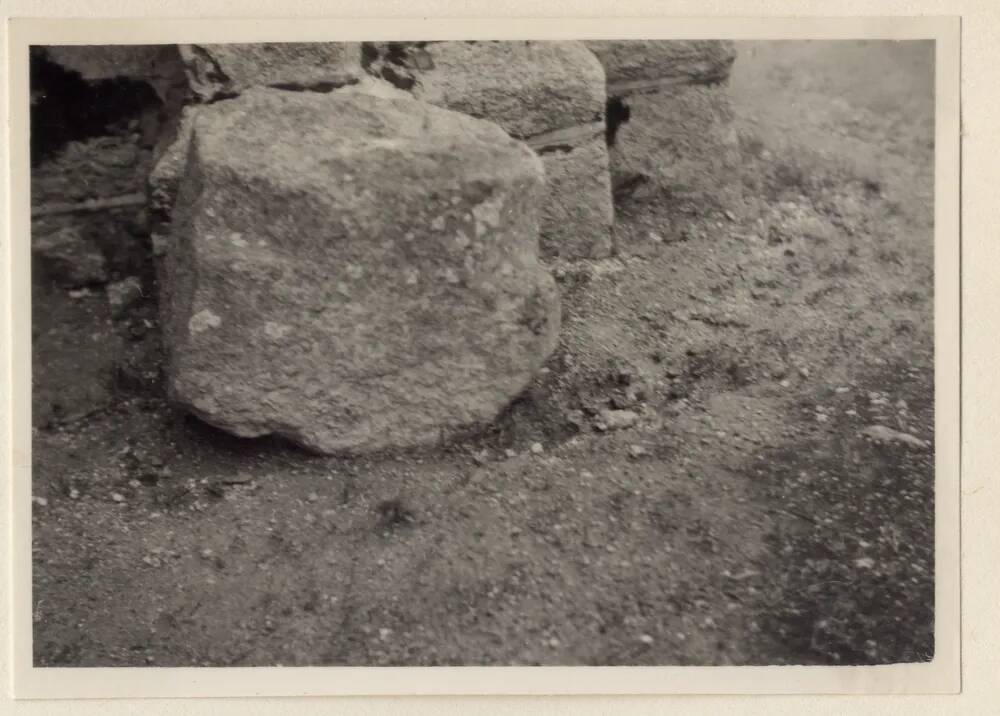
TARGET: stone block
(527,87)
(672,131)
(358,284)
(631,64)
(226,70)
(577,214)
(680,138)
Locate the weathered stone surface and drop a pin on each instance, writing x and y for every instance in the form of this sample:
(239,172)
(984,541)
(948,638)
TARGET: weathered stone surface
(354,284)
(577,214)
(551,93)
(170,160)
(528,88)
(679,138)
(376,88)
(171,154)
(158,65)
(216,71)
(673,130)
(681,61)
(69,258)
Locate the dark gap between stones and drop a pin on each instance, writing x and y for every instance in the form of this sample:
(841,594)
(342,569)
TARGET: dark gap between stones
(323,86)
(616,113)
(556,149)
(398,80)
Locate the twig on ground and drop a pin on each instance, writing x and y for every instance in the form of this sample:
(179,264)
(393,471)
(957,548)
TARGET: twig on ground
(99,204)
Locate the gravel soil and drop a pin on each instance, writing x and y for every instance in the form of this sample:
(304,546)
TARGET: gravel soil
(733,508)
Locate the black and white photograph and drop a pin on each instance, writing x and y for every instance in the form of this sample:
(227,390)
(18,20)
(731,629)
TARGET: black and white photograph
(598,352)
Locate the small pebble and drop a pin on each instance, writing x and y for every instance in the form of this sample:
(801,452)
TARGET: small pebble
(117,497)
(636,451)
(618,419)
(537,449)
(40,501)
(74,493)
(646,639)
(312,497)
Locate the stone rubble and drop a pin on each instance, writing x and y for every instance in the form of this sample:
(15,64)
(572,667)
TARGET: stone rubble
(69,258)
(312,204)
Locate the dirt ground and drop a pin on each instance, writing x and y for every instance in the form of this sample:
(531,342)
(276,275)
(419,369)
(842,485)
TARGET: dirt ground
(744,518)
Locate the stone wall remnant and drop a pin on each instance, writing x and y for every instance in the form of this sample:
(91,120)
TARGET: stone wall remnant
(350,233)
(356,273)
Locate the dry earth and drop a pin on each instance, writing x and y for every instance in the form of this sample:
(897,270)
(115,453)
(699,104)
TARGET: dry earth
(742,519)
